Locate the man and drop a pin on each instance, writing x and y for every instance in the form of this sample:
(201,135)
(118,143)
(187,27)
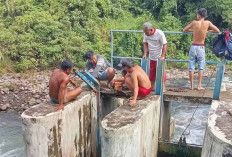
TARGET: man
(58,85)
(99,67)
(199,28)
(155,42)
(136,80)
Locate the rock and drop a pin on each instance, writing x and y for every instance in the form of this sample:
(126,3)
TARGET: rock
(3,107)
(21,88)
(6,90)
(38,101)
(32,101)
(37,96)
(8,105)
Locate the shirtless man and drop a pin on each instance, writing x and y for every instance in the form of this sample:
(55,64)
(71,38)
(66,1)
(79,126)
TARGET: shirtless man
(58,85)
(136,80)
(199,28)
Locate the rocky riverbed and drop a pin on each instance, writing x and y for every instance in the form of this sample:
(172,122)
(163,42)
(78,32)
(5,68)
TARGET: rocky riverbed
(20,91)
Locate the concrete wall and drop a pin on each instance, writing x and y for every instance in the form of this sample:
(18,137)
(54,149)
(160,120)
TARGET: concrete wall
(218,135)
(132,131)
(109,103)
(67,133)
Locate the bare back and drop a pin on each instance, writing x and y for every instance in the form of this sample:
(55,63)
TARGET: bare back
(58,76)
(143,79)
(200,29)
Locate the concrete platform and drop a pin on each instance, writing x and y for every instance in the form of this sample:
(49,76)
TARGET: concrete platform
(194,96)
(218,135)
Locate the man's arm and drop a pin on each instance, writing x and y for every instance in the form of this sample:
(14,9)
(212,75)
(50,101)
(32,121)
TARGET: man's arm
(88,66)
(136,88)
(188,28)
(163,52)
(100,63)
(74,83)
(213,28)
(145,49)
(62,91)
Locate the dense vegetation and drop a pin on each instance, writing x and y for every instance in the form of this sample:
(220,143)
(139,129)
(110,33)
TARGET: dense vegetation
(41,33)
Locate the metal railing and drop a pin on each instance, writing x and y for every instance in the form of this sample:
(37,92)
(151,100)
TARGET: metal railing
(161,64)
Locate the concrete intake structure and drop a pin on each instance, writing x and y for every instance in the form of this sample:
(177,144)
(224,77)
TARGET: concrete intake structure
(132,131)
(68,133)
(72,132)
(218,135)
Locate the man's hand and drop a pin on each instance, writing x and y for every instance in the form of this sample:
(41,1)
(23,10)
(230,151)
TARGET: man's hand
(161,58)
(73,83)
(112,83)
(132,102)
(144,56)
(60,107)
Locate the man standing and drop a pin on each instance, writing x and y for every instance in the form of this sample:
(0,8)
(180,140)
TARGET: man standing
(155,42)
(199,28)
(136,80)
(99,67)
(58,85)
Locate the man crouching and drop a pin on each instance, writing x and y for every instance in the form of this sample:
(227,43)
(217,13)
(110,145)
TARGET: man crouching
(137,81)
(58,85)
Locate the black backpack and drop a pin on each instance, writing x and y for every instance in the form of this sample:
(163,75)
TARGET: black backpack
(219,45)
(222,45)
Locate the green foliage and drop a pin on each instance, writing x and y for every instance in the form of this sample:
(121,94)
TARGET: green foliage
(41,33)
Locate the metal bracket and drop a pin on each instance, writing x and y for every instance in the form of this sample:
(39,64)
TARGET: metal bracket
(88,79)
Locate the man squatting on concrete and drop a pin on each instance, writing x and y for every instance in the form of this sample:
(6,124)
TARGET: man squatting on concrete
(155,42)
(199,28)
(99,67)
(136,80)
(58,85)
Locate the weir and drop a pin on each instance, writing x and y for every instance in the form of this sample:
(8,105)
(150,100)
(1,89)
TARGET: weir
(113,129)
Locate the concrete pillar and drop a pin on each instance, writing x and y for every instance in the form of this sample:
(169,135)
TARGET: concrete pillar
(165,120)
(218,134)
(172,126)
(132,131)
(68,133)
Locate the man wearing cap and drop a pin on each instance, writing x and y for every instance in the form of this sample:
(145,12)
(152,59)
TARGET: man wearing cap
(136,80)
(199,28)
(99,67)
(155,42)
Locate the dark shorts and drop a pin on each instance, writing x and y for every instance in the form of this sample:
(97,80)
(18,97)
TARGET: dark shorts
(56,101)
(152,75)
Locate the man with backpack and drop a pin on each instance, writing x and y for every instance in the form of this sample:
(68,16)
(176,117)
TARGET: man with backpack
(199,27)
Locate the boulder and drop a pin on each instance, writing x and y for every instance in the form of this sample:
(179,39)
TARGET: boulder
(3,107)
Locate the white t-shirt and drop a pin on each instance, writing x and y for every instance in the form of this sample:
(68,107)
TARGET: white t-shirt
(155,43)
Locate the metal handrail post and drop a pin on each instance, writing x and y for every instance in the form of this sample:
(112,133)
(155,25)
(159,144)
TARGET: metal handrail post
(112,46)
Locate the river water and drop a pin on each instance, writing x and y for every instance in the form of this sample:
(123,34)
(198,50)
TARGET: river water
(11,139)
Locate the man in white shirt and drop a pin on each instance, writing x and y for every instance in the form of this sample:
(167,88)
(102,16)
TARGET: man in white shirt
(155,42)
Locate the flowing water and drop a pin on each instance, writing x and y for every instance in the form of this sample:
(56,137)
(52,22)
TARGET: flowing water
(11,139)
